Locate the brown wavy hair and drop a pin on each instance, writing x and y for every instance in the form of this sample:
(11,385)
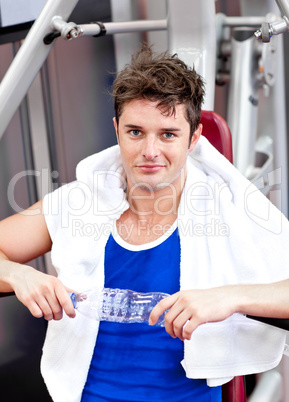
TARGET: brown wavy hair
(160,78)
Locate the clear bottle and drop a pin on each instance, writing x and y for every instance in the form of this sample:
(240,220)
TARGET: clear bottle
(117,305)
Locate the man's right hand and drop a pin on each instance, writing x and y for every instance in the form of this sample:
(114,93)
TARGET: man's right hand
(44,295)
(24,237)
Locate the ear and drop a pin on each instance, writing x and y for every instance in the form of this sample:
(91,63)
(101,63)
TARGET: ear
(115,127)
(195,137)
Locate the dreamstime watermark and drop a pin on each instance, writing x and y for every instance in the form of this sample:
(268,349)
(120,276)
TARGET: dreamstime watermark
(104,194)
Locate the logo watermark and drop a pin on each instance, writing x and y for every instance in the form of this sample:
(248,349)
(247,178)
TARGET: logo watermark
(141,229)
(105,195)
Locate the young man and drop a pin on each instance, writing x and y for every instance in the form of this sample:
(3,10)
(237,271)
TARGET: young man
(144,216)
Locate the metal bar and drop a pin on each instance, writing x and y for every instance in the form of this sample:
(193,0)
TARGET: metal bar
(49,120)
(243,99)
(39,140)
(269,388)
(28,152)
(243,21)
(279,27)
(279,124)
(124,27)
(192,35)
(283,7)
(126,44)
(111,28)
(29,60)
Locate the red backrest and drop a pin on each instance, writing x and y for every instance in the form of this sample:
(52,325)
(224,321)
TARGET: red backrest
(234,390)
(216,130)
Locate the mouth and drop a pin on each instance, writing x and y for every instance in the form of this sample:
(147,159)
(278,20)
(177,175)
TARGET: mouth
(148,168)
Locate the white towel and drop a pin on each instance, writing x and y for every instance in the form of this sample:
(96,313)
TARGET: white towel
(229,234)
(247,245)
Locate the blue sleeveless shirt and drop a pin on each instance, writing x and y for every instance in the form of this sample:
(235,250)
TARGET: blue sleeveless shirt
(137,362)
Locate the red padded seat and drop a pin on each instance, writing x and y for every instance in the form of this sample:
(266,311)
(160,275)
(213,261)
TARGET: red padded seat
(216,130)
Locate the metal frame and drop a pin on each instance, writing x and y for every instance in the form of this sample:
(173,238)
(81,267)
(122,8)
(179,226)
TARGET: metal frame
(29,60)
(243,98)
(256,102)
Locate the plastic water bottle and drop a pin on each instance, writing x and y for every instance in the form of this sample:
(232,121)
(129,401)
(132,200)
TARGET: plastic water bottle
(117,305)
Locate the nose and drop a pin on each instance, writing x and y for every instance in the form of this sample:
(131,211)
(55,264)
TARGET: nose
(150,148)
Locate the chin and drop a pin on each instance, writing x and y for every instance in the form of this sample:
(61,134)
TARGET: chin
(151,186)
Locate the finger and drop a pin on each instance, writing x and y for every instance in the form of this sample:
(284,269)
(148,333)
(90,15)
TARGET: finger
(35,310)
(180,325)
(47,301)
(65,301)
(44,306)
(161,307)
(55,306)
(37,305)
(189,328)
(68,290)
(170,319)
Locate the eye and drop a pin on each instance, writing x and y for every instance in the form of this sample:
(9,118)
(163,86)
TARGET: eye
(168,136)
(135,133)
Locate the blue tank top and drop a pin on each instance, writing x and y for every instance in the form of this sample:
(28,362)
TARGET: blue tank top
(137,362)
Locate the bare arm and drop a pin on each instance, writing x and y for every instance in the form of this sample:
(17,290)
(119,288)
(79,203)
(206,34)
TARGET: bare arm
(191,308)
(24,237)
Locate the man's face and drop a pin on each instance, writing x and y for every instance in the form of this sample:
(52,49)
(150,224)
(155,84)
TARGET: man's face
(154,147)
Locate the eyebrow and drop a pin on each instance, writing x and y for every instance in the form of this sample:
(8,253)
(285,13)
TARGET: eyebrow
(170,129)
(132,126)
(135,126)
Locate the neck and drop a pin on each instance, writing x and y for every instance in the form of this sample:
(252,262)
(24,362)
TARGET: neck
(158,204)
